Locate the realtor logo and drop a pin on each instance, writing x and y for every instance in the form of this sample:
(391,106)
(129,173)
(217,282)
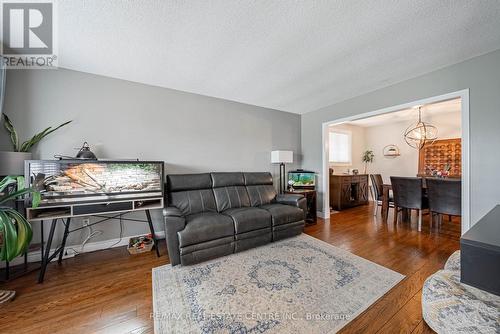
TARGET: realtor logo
(28,34)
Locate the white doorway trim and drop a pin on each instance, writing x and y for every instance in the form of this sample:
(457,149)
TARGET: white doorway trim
(463,95)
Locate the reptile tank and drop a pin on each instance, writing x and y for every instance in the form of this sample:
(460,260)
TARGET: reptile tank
(79,187)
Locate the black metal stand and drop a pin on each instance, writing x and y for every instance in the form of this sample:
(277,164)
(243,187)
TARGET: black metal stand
(152,229)
(47,257)
(282,186)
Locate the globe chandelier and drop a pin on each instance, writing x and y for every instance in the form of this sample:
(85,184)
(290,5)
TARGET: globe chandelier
(420,133)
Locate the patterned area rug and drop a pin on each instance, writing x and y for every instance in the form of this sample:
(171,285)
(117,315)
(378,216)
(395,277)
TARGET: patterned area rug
(297,285)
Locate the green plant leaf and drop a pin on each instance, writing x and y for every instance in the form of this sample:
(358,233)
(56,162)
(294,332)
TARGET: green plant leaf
(27,145)
(20,183)
(7,181)
(9,237)
(15,194)
(2,242)
(15,229)
(7,123)
(2,233)
(36,199)
(24,231)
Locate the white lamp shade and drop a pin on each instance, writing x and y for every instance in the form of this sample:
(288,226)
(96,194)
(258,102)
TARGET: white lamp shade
(278,157)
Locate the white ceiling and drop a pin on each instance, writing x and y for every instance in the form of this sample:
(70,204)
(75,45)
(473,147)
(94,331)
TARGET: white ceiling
(410,115)
(295,56)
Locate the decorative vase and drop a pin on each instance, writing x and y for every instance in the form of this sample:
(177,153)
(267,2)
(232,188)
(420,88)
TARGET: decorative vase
(12,163)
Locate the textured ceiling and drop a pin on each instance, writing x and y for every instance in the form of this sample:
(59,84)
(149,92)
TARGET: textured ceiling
(295,56)
(451,108)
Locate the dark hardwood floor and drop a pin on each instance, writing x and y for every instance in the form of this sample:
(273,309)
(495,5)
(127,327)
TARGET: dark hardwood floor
(110,291)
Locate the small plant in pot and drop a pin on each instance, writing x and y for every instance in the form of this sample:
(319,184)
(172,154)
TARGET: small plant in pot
(12,162)
(15,230)
(367,158)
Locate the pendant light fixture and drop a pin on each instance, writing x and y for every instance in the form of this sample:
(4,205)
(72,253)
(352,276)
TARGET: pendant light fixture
(420,134)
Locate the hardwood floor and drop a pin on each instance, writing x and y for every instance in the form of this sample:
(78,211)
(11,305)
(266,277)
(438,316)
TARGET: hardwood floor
(110,291)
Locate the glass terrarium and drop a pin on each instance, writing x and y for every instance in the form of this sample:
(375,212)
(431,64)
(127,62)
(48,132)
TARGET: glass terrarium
(301,179)
(76,180)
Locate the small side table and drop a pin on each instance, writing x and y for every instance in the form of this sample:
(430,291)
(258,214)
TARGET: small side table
(310,195)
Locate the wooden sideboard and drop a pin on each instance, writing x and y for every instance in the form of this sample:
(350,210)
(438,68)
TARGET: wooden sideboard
(347,191)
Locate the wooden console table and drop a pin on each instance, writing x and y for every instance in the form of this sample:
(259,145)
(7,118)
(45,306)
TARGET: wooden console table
(347,191)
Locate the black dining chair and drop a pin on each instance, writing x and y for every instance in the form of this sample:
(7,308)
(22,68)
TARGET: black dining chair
(445,197)
(377,186)
(408,194)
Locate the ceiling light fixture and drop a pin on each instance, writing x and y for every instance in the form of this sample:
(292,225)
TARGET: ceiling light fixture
(420,134)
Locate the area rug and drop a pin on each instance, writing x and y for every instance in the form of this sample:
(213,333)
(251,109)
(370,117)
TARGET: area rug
(297,285)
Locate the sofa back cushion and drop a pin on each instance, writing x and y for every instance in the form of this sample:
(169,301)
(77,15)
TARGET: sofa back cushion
(260,188)
(191,193)
(229,191)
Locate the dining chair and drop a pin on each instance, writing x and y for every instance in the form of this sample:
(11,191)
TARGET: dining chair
(408,194)
(377,186)
(445,197)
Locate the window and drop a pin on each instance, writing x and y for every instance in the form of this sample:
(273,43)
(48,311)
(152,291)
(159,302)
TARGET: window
(340,148)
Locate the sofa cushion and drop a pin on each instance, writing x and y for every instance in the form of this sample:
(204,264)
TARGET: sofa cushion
(231,197)
(182,182)
(191,193)
(283,214)
(227,179)
(229,191)
(261,194)
(193,201)
(204,227)
(249,219)
(252,179)
(260,188)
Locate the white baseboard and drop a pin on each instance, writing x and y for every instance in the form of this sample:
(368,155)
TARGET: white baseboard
(72,250)
(321,214)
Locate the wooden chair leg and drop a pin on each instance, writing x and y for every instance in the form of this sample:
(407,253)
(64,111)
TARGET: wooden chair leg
(419,220)
(431,214)
(449,218)
(396,214)
(376,207)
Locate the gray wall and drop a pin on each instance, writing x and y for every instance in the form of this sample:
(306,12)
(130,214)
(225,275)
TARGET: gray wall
(481,75)
(121,119)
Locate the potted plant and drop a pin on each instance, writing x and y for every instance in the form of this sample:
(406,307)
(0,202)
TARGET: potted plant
(12,162)
(15,230)
(368,158)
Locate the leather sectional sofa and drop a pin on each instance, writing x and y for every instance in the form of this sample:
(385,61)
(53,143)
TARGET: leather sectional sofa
(216,214)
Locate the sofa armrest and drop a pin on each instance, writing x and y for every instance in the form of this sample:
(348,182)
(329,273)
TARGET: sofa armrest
(172,211)
(296,200)
(174,222)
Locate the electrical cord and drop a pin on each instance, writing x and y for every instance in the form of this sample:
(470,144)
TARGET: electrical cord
(92,234)
(121,233)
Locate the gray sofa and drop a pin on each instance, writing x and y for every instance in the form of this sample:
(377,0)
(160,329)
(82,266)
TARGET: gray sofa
(216,214)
